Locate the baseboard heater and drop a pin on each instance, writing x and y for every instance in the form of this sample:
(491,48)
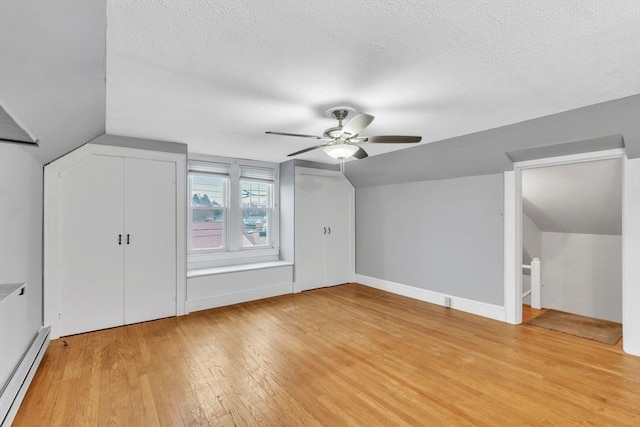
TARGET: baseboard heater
(17,387)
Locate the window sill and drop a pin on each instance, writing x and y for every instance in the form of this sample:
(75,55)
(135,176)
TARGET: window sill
(236,268)
(222,259)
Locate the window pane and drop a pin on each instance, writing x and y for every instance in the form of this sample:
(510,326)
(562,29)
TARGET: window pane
(256,204)
(255,227)
(208,191)
(256,194)
(208,229)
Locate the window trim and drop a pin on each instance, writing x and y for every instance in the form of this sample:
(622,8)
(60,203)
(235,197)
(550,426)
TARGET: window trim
(234,252)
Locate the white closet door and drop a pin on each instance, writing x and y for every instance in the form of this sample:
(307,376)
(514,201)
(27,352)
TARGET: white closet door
(150,240)
(339,195)
(90,257)
(310,240)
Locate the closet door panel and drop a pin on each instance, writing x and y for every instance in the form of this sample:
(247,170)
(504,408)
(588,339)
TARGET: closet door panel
(339,257)
(310,239)
(90,258)
(150,240)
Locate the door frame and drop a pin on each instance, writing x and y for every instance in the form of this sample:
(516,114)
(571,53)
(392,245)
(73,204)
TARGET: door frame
(51,287)
(630,238)
(300,171)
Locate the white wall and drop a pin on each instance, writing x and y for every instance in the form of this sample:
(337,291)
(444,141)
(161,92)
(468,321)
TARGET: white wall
(631,259)
(532,244)
(531,237)
(233,285)
(582,274)
(21,227)
(582,197)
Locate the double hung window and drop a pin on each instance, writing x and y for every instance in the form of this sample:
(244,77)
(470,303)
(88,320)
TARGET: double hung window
(232,210)
(209,189)
(256,194)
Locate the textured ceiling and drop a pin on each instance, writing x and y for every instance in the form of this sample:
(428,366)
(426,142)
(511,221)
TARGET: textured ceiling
(216,75)
(575,198)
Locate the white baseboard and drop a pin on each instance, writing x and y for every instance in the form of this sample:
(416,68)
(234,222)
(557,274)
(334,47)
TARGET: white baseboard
(483,309)
(14,392)
(238,297)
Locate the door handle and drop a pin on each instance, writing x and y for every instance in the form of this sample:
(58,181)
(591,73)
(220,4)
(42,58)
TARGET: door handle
(119,239)
(127,239)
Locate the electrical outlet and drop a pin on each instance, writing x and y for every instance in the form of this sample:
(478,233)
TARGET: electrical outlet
(447,301)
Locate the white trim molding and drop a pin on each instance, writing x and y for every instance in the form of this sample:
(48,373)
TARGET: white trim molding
(299,172)
(51,217)
(512,248)
(16,388)
(631,257)
(630,238)
(238,297)
(479,308)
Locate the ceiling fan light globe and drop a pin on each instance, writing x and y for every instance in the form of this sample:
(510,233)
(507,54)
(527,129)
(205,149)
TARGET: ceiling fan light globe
(340,151)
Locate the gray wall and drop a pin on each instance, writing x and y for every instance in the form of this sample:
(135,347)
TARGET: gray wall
(52,77)
(52,70)
(287,211)
(445,236)
(21,227)
(591,128)
(429,216)
(141,143)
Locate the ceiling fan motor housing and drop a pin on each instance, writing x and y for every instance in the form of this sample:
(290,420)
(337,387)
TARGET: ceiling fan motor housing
(338,113)
(335,132)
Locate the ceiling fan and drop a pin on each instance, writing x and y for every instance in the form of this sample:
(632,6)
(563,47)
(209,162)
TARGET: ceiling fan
(342,141)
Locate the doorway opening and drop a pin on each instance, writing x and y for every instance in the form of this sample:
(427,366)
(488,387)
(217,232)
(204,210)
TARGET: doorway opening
(627,241)
(572,240)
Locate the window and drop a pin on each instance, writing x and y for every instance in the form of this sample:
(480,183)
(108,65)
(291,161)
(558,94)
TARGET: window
(256,188)
(232,211)
(208,211)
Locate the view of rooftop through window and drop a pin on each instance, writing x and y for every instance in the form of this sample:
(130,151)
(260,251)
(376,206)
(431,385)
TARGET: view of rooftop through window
(209,202)
(208,206)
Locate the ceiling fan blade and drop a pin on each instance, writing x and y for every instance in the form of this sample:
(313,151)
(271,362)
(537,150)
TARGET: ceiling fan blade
(305,150)
(394,139)
(357,124)
(360,154)
(294,134)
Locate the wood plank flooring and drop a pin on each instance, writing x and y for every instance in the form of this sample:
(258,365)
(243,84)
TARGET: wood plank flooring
(530,313)
(346,355)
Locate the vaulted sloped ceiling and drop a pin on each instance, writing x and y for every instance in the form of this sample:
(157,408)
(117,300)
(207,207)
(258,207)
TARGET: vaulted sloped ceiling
(52,71)
(575,198)
(216,75)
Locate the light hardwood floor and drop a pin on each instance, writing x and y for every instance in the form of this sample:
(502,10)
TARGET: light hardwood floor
(346,355)
(530,313)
